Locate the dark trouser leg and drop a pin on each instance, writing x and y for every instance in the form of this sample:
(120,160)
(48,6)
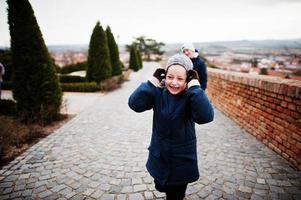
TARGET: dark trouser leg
(176,192)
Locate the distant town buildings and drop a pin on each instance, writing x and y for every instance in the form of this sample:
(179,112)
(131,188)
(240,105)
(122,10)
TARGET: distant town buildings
(286,65)
(277,62)
(67,58)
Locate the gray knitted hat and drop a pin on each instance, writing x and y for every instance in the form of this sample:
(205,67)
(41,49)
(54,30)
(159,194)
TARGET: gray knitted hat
(188,46)
(179,59)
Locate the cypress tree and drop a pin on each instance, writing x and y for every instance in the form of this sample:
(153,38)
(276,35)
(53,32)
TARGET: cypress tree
(134,63)
(99,65)
(36,86)
(139,59)
(114,53)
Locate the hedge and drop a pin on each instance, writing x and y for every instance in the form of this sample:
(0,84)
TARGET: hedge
(105,85)
(73,68)
(71,79)
(80,87)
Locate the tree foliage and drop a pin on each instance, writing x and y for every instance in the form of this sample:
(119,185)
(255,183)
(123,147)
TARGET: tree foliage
(147,46)
(114,53)
(36,86)
(139,59)
(99,65)
(134,62)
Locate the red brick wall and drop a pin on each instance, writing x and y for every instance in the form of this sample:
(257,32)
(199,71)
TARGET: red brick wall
(267,107)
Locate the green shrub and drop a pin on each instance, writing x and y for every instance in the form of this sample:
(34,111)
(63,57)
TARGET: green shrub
(8,107)
(71,79)
(134,62)
(99,64)
(114,53)
(73,68)
(80,87)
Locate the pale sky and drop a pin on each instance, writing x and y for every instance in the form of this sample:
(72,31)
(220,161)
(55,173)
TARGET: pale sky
(169,21)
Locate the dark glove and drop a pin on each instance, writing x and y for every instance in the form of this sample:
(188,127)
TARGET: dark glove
(192,74)
(159,74)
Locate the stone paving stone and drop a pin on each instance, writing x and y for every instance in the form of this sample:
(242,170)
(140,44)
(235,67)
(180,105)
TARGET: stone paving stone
(70,195)
(107,197)
(256,197)
(260,181)
(159,194)
(125,182)
(7,190)
(148,195)
(203,193)
(97,194)
(44,194)
(58,188)
(139,188)
(121,197)
(136,196)
(19,187)
(88,192)
(93,157)
(6,184)
(5,196)
(105,187)
(127,189)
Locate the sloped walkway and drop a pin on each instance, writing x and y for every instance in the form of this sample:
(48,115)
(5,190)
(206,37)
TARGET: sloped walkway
(101,154)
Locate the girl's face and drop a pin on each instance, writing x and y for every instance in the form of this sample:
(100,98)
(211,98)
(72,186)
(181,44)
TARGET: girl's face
(188,53)
(175,81)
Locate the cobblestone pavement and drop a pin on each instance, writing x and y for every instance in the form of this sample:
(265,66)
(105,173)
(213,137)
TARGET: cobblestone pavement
(101,154)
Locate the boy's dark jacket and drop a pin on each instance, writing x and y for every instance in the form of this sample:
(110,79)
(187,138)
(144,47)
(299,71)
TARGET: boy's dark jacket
(172,153)
(200,67)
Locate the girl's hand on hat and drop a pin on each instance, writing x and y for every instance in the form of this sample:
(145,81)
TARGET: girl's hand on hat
(192,78)
(192,74)
(159,74)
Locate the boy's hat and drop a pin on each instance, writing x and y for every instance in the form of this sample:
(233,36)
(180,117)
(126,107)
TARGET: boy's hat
(188,46)
(180,59)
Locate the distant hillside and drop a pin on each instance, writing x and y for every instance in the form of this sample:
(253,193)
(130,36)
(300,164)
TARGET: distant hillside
(239,45)
(257,44)
(203,46)
(64,48)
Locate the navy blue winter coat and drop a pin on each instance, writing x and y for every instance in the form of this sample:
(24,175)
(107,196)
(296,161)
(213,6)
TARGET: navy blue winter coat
(200,67)
(172,156)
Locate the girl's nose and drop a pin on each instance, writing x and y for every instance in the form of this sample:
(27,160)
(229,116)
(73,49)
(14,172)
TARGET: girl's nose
(174,82)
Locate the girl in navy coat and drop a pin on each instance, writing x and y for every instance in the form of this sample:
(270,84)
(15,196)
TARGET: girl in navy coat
(180,103)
